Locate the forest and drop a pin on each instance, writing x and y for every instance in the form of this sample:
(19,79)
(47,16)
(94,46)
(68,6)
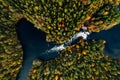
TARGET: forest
(60,19)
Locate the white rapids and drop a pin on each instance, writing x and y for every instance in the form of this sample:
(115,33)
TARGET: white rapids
(61,47)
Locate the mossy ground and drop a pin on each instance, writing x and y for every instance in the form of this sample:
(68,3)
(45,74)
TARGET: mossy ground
(60,20)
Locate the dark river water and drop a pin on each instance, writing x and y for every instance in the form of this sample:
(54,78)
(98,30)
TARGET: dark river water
(112,38)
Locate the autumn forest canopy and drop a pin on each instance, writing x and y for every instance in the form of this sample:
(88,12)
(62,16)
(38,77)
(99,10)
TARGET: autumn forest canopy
(60,19)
